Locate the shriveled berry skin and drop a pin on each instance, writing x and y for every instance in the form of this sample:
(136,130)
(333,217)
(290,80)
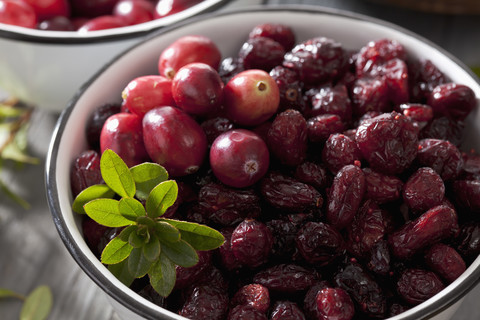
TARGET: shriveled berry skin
(423,77)
(289,194)
(467,242)
(339,151)
(226,257)
(174,140)
(319,128)
(246,312)
(251,243)
(239,158)
(417,112)
(382,188)
(187,276)
(85,171)
(95,123)
(467,194)
(286,278)
(335,303)
(364,291)
(442,156)
(286,310)
(227,206)
(377,52)
(287,137)
(319,243)
(310,300)
(284,232)
(281,33)
(332,100)
(214,127)
(261,53)
(317,60)
(230,67)
(436,224)
(207,303)
(423,190)
(379,261)
(444,128)
(452,100)
(471,164)
(346,194)
(253,294)
(370,94)
(417,285)
(313,174)
(290,89)
(445,261)
(388,142)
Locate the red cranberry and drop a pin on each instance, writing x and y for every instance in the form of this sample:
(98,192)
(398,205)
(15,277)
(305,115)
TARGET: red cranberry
(382,188)
(58,23)
(230,67)
(319,128)
(102,23)
(335,303)
(254,295)
(261,53)
(417,112)
(92,8)
(286,310)
(332,100)
(445,261)
(313,174)
(376,53)
(423,77)
(47,9)
(96,121)
(17,13)
(423,190)
(339,151)
(205,302)
(467,194)
(286,278)
(443,128)
(442,156)
(281,33)
(134,11)
(468,240)
(246,312)
(251,243)
(452,100)
(370,94)
(214,127)
(290,88)
(85,171)
(166,8)
(417,285)
(187,276)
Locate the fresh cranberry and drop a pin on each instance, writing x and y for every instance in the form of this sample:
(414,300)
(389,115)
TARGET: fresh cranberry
(445,261)
(17,13)
(134,11)
(335,303)
(417,285)
(281,33)
(251,243)
(452,100)
(92,8)
(47,9)
(166,8)
(58,23)
(230,67)
(102,23)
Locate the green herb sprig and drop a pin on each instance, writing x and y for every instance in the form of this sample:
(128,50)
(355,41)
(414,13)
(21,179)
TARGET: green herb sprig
(36,305)
(148,244)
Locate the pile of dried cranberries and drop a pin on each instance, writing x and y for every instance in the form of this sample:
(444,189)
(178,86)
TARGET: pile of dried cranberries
(334,175)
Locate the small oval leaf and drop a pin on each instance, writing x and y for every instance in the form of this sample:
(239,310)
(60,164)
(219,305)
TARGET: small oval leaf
(136,240)
(131,208)
(147,176)
(163,276)
(161,198)
(151,249)
(106,212)
(116,251)
(200,237)
(6,293)
(91,193)
(125,233)
(116,174)
(121,272)
(166,232)
(181,253)
(37,305)
(138,265)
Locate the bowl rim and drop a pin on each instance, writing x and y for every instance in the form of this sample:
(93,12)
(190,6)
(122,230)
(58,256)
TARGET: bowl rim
(426,310)
(17,33)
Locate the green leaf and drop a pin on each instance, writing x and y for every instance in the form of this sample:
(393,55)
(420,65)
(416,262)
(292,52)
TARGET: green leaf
(200,237)
(166,232)
(116,174)
(37,305)
(147,176)
(138,265)
(125,233)
(15,197)
(131,208)
(7,293)
(91,193)
(476,70)
(136,240)
(151,249)
(181,253)
(121,272)
(161,198)
(163,276)
(116,251)
(105,212)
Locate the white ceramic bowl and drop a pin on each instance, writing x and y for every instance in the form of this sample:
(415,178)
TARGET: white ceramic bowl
(45,68)
(228,30)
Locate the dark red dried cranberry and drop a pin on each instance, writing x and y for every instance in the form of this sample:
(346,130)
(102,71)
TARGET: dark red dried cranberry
(396,308)
(290,88)
(286,310)
(423,76)
(251,243)
(445,261)
(332,100)
(436,224)
(364,291)
(228,206)
(281,33)
(310,301)
(346,194)
(230,67)
(442,156)
(388,142)
(96,235)
(417,112)
(444,128)
(205,303)
(227,258)
(215,278)
(378,52)
(335,303)
(339,151)
(320,127)
(289,194)
(253,294)
(216,126)
(85,171)
(423,190)
(261,53)
(188,276)
(468,240)
(317,60)
(417,285)
(382,188)
(287,137)
(151,295)
(379,260)
(467,194)
(370,94)
(313,174)
(286,278)
(95,123)
(452,100)
(471,163)
(395,72)
(246,312)
(284,233)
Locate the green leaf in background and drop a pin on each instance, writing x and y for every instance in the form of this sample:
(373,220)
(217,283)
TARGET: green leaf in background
(151,249)
(163,276)
(7,293)
(15,197)
(200,237)
(131,208)
(180,253)
(121,272)
(147,176)
(37,305)
(105,212)
(138,264)
(116,251)
(167,232)
(476,69)
(161,198)
(116,174)
(91,193)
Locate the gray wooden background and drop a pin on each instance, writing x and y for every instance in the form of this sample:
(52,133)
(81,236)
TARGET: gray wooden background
(31,252)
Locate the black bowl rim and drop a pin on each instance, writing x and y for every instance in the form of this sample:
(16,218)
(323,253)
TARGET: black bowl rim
(431,307)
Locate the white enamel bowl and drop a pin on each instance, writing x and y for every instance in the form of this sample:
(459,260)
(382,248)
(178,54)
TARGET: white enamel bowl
(228,30)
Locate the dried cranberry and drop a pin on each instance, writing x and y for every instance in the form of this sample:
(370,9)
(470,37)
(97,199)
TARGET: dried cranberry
(444,128)
(319,243)
(287,137)
(445,261)
(286,310)
(95,123)
(332,100)
(286,278)
(423,77)
(417,285)
(96,235)
(417,112)
(436,224)
(378,52)
(188,276)
(468,240)
(379,260)
(227,258)
(467,194)
(151,295)
(388,142)
(320,127)
(382,188)
(246,312)
(471,163)
(254,295)
(396,308)
(205,302)
(335,303)
(313,174)
(452,100)
(310,301)
(261,53)
(395,72)
(442,156)
(346,194)
(85,171)
(370,94)
(290,89)
(339,151)
(423,190)
(281,33)
(230,67)
(284,233)
(251,243)
(216,126)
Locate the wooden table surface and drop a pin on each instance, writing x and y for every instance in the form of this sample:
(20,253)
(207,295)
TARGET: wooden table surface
(31,252)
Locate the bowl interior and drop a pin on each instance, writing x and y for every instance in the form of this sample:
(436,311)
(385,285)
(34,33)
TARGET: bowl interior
(228,31)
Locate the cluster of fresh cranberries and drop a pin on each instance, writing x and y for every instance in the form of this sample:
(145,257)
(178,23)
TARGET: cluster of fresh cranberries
(86,15)
(334,175)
